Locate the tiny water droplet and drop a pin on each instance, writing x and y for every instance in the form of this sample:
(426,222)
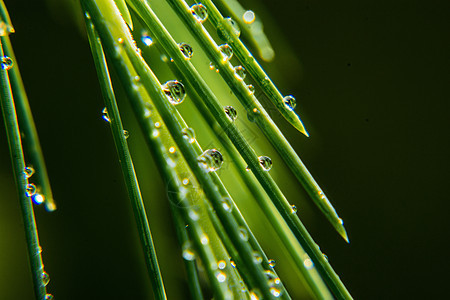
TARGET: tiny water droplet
(325,256)
(105,115)
(308,263)
(293,209)
(211,160)
(231,112)
(120,40)
(186,49)
(87,15)
(174,91)
(187,252)
(146,39)
(7,63)
(221,264)
(232,263)
(204,239)
(274,283)
(227,204)
(248,17)
(265,162)
(155,133)
(38,198)
(226,51)
(257,258)
(193,215)
(126,134)
(188,134)
(247,168)
(157,124)
(289,102)
(199,12)
(272,263)
(341,221)
(239,72)
(28,172)
(45,278)
(251,89)
(49,297)
(185,181)
(30,189)
(255,294)
(233,26)
(221,277)
(243,234)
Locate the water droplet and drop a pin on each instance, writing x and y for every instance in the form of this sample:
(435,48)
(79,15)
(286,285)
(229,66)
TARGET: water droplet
(231,112)
(243,234)
(247,168)
(126,134)
(341,221)
(87,15)
(232,263)
(49,297)
(290,102)
(7,63)
(187,252)
(38,198)
(6,29)
(221,277)
(227,204)
(204,239)
(265,162)
(255,294)
(172,150)
(239,72)
(188,134)
(28,172)
(293,209)
(308,263)
(221,264)
(272,263)
(30,189)
(251,115)
(45,278)
(174,91)
(193,215)
(276,292)
(251,89)
(257,258)
(105,115)
(248,17)
(325,256)
(155,133)
(120,40)
(211,160)
(185,181)
(233,26)
(186,49)
(226,51)
(199,12)
(146,39)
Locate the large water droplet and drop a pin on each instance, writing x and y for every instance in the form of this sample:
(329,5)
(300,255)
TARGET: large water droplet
(187,252)
(265,162)
(174,91)
(231,112)
(221,277)
(233,26)
(186,49)
(227,204)
(30,189)
(38,198)
(7,63)
(105,115)
(289,102)
(146,39)
(199,12)
(45,278)
(211,160)
(188,134)
(49,297)
(28,172)
(239,72)
(249,17)
(243,234)
(226,51)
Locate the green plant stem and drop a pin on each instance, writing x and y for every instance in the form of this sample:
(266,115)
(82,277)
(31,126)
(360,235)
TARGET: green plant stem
(31,144)
(257,113)
(18,164)
(126,164)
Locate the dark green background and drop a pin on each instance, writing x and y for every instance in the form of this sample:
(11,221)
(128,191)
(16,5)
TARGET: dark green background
(372,88)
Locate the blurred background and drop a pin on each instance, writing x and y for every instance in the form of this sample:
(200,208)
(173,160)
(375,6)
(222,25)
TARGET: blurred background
(371,80)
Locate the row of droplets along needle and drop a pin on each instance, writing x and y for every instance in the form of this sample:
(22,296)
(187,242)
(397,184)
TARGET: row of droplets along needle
(163,38)
(235,77)
(21,172)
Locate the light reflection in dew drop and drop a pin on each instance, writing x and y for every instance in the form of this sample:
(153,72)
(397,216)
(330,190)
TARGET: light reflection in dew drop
(185,181)
(38,198)
(226,51)
(248,17)
(7,63)
(49,297)
(126,134)
(187,252)
(265,162)
(221,277)
(243,234)
(146,39)
(204,240)
(211,160)
(199,12)
(30,189)
(45,278)
(105,115)
(174,91)
(188,134)
(257,258)
(221,264)
(231,112)
(155,133)
(308,263)
(193,215)
(289,102)
(293,209)
(272,263)
(251,89)
(227,204)
(239,72)
(28,172)
(186,49)
(233,26)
